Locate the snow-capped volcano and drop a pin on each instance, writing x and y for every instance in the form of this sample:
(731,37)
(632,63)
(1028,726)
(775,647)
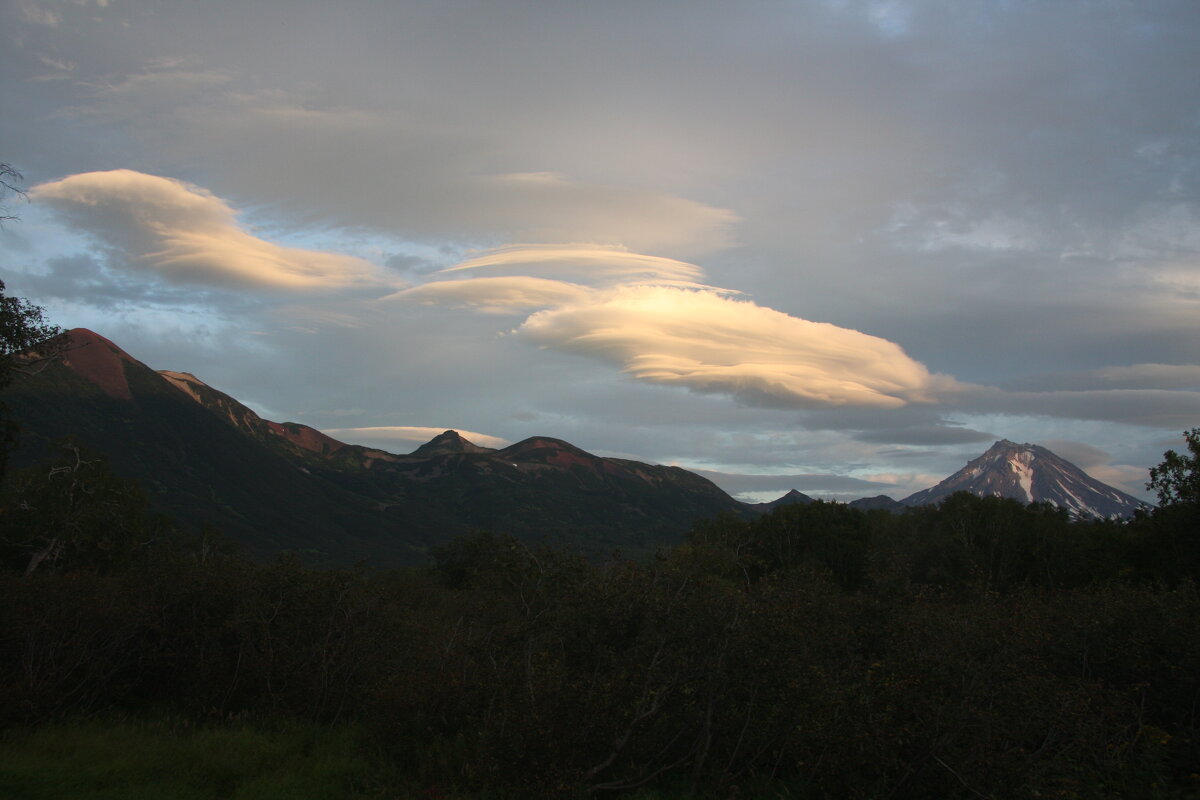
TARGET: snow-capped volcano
(1030,473)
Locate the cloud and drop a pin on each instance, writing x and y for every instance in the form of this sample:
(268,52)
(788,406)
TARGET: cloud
(84,279)
(188,235)
(429,177)
(653,319)
(496,295)
(1082,455)
(937,434)
(710,343)
(1155,408)
(1098,464)
(1131,376)
(551,207)
(530,277)
(391,435)
(1158,376)
(740,483)
(36,14)
(582,261)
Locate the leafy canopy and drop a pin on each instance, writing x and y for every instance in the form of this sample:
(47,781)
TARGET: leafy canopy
(1177,478)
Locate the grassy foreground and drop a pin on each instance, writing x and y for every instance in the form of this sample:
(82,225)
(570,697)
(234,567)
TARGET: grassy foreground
(165,760)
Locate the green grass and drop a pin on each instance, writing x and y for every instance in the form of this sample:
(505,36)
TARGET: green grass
(158,760)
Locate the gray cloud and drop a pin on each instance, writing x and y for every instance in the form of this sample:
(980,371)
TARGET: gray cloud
(925,435)
(431,187)
(1155,408)
(1132,376)
(1098,464)
(736,483)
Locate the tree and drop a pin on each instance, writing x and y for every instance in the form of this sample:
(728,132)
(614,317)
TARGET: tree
(1177,478)
(73,512)
(8,185)
(22,327)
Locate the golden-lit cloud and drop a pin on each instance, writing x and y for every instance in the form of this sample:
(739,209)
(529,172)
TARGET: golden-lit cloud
(189,235)
(711,343)
(505,294)
(658,323)
(587,262)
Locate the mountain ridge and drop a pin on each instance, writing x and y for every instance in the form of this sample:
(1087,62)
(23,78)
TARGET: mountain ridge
(203,455)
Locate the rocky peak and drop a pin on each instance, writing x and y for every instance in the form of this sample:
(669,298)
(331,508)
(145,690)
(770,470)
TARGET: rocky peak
(449,442)
(1030,473)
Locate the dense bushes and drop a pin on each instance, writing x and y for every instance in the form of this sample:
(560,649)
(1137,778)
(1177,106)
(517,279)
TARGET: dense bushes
(980,649)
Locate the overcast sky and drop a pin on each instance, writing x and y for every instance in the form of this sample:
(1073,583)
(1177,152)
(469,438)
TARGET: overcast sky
(834,246)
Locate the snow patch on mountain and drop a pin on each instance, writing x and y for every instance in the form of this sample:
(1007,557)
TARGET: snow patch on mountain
(185,382)
(1020,464)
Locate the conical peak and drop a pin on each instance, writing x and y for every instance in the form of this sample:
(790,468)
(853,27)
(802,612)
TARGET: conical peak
(1028,473)
(449,441)
(548,443)
(84,337)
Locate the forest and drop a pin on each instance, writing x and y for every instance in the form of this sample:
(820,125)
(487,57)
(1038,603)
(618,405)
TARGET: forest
(982,648)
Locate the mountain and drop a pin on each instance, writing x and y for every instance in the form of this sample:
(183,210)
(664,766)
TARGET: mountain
(791,498)
(878,502)
(449,442)
(1030,473)
(204,456)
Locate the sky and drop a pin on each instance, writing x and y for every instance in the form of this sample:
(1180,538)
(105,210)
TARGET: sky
(834,246)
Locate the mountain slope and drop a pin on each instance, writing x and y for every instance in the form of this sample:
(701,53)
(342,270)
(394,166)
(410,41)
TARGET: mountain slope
(204,456)
(197,465)
(1030,473)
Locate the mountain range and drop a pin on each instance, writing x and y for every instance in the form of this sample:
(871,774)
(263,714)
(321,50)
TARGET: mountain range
(205,457)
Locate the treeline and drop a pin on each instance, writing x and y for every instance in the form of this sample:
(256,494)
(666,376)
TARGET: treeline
(979,649)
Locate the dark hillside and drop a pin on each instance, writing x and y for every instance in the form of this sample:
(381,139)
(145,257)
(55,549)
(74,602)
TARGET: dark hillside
(205,457)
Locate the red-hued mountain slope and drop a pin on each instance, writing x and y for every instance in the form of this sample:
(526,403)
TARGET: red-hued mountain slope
(202,455)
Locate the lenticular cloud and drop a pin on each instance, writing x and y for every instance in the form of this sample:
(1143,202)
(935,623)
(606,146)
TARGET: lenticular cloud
(187,234)
(503,294)
(711,343)
(652,318)
(593,263)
